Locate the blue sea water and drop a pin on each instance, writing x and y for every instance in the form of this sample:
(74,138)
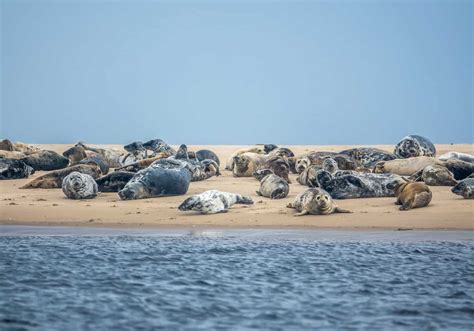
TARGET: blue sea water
(252,279)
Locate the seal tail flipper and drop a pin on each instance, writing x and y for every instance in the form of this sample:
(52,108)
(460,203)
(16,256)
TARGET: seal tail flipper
(304,212)
(278,194)
(290,205)
(342,211)
(422,199)
(258,193)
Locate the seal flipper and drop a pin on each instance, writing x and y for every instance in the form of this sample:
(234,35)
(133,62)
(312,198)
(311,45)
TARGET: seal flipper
(258,193)
(244,200)
(304,212)
(342,211)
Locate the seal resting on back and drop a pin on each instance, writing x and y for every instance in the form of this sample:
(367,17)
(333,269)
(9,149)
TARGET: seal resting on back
(414,145)
(465,188)
(368,156)
(271,185)
(412,195)
(114,181)
(14,169)
(405,167)
(213,202)
(79,186)
(359,185)
(55,178)
(315,201)
(457,156)
(156,182)
(46,160)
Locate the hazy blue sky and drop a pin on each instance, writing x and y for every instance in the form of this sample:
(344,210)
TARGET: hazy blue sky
(237,72)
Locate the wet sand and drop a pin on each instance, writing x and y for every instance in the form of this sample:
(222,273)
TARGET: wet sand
(50,207)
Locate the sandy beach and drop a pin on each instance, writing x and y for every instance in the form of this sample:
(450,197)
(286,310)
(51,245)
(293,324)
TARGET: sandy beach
(50,207)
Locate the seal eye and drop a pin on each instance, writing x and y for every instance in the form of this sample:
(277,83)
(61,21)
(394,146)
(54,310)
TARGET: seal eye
(318,197)
(326,197)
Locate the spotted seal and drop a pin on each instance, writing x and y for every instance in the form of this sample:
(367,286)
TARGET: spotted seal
(438,175)
(267,148)
(457,156)
(368,156)
(412,195)
(244,165)
(460,169)
(213,202)
(230,161)
(55,178)
(79,186)
(405,167)
(273,186)
(14,169)
(206,154)
(159,146)
(115,181)
(156,182)
(46,160)
(97,160)
(75,154)
(359,185)
(414,145)
(464,188)
(199,170)
(315,201)
(112,156)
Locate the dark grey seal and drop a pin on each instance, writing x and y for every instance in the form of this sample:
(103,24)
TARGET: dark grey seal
(465,188)
(359,185)
(114,181)
(414,145)
(97,160)
(157,182)
(368,156)
(46,160)
(14,169)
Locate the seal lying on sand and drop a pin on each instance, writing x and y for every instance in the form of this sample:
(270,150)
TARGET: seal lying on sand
(97,160)
(414,145)
(205,154)
(405,167)
(273,186)
(315,201)
(412,195)
(244,165)
(368,156)
(465,188)
(457,156)
(55,178)
(156,182)
(26,149)
(438,175)
(460,169)
(46,160)
(213,202)
(359,185)
(12,155)
(159,146)
(14,169)
(313,158)
(111,155)
(135,153)
(115,181)
(199,170)
(230,162)
(75,154)
(79,186)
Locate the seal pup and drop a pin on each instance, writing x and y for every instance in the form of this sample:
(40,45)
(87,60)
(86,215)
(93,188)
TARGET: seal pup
(457,156)
(464,188)
(230,161)
(359,185)
(14,169)
(244,165)
(213,202)
(414,145)
(115,181)
(79,186)
(405,167)
(368,156)
(412,195)
(273,186)
(55,178)
(157,182)
(438,175)
(46,160)
(315,201)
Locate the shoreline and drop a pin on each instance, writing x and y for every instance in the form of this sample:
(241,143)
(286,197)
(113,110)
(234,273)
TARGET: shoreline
(49,207)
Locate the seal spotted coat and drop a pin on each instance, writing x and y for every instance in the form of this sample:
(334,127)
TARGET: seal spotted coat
(213,202)
(464,188)
(315,201)
(79,186)
(414,145)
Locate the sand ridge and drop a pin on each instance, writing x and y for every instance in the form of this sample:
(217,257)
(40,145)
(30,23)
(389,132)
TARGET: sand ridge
(51,207)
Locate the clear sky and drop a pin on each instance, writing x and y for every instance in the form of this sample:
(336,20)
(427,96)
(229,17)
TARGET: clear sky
(237,72)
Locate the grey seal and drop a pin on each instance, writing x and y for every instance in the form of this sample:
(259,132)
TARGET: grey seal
(79,186)
(359,185)
(273,187)
(55,178)
(156,182)
(213,202)
(464,188)
(315,201)
(115,181)
(46,160)
(368,156)
(14,169)
(414,145)
(457,156)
